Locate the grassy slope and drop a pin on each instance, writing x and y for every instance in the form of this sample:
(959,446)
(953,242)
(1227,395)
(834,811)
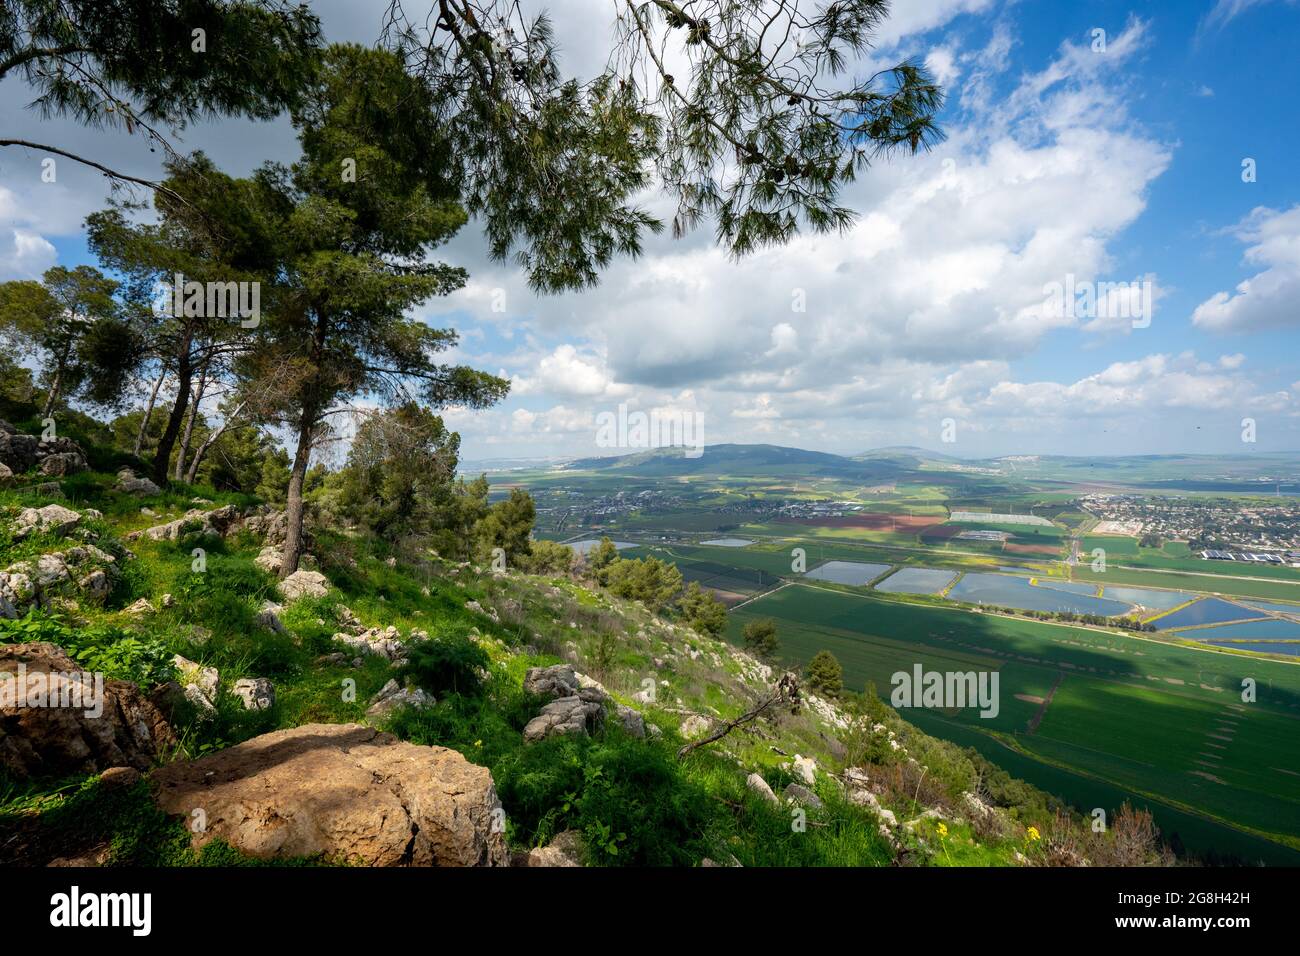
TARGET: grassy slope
(1132,712)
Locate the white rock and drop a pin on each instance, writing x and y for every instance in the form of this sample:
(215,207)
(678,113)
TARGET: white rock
(756,783)
(257,693)
(806,769)
(54,519)
(304,584)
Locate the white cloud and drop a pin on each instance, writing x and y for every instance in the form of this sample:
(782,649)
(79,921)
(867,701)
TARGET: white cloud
(1268,298)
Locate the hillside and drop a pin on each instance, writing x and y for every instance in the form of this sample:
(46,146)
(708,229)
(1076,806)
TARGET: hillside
(550,714)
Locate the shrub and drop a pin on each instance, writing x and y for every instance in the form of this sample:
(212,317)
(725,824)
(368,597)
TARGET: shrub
(446,665)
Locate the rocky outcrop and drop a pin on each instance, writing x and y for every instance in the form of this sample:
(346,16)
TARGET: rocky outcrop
(578,705)
(52,519)
(28,583)
(385,643)
(269,617)
(582,713)
(393,696)
(199,685)
(120,728)
(342,791)
(128,482)
(54,457)
(216,522)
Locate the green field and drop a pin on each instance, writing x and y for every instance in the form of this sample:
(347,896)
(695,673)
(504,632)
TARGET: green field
(1144,716)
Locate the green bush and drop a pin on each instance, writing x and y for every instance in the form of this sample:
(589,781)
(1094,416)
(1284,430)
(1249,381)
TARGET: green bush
(446,665)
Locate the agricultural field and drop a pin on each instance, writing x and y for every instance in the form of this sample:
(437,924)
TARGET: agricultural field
(1162,721)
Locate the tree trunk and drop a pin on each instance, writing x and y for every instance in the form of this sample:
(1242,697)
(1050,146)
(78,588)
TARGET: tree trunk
(211,440)
(148,414)
(294,506)
(163,454)
(54,392)
(184,451)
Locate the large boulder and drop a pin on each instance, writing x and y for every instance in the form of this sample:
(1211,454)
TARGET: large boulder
(582,713)
(62,463)
(18,452)
(343,791)
(304,584)
(52,519)
(119,728)
(558,680)
(128,482)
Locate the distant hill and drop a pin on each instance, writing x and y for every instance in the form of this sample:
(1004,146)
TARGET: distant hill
(742,460)
(1187,472)
(908,455)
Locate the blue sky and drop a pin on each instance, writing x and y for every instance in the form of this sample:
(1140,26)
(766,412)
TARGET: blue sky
(1113,164)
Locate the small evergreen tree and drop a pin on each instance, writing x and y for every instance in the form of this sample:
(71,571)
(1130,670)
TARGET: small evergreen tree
(760,638)
(825,674)
(702,611)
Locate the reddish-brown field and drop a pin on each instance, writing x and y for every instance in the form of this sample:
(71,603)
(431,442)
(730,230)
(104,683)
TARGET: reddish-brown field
(1013,548)
(869,521)
(943,531)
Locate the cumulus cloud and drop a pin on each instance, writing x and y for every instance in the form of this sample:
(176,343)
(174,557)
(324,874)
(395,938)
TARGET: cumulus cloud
(1268,298)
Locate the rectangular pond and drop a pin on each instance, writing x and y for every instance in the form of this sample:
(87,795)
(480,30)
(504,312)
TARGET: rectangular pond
(1147,597)
(1006,591)
(728,542)
(847,572)
(1293,609)
(1206,611)
(1275,628)
(916,581)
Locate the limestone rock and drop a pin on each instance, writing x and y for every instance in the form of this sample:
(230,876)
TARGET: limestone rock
(558,680)
(801,795)
(269,617)
(46,741)
(63,463)
(386,643)
(565,849)
(257,693)
(128,482)
(695,726)
(304,584)
(806,769)
(756,783)
(343,791)
(580,714)
(393,696)
(203,679)
(52,519)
